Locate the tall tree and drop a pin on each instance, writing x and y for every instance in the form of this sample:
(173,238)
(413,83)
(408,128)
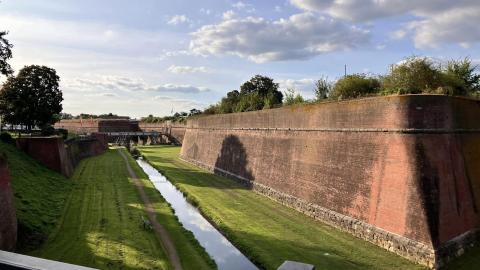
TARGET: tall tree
(258,93)
(5,55)
(32,98)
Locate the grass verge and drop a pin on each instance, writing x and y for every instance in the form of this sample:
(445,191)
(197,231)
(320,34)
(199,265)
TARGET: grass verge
(40,195)
(192,255)
(101,226)
(264,230)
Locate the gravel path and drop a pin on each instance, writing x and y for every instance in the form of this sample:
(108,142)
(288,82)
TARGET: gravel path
(162,234)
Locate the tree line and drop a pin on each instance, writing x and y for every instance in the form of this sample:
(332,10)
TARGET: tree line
(413,75)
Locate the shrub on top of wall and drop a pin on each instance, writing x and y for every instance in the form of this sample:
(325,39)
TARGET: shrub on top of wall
(62,132)
(354,86)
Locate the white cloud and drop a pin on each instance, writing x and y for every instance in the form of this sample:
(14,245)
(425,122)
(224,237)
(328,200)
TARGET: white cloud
(178,88)
(228,15)
(102,95)
(278,8)
(434,21)
(458,25)
(301,36)
(178,19)
(239,5)
(188,103)
(118,83)
(301,84)
(244,6)
(367,10)
(85,36)
(399,34)
(187,69)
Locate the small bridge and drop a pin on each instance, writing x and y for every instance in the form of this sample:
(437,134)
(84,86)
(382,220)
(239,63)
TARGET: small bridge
(141,137)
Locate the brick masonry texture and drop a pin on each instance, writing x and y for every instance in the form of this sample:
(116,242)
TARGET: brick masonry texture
(8,219)
(398,171)
(98,125)
(59,156)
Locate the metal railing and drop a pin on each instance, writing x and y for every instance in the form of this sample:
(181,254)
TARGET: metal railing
(14,261)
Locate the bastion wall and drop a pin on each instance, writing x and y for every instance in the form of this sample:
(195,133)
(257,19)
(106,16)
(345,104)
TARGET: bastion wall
(399,171)
(62,156)
(8,219)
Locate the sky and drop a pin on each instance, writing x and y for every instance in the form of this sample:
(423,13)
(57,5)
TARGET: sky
(146,57)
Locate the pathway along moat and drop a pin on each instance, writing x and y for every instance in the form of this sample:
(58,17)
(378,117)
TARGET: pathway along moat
(217,246)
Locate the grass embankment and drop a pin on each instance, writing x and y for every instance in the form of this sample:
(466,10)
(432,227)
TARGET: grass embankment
(266,231)
(101,225)
(40,195)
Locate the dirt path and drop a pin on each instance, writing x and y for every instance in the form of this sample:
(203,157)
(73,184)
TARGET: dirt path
(162,234)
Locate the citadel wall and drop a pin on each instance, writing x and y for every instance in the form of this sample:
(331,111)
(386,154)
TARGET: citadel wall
(399,171)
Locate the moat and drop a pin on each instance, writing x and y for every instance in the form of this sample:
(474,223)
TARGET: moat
(217,246)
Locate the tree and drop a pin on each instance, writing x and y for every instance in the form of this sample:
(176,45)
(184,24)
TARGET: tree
(32,98)
(260,92)
(354,86)
(5,55)
(229,103)
(194,112)
(291,97)
(322,88)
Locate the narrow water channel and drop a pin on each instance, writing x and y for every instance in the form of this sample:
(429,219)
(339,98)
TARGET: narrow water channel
(217,246)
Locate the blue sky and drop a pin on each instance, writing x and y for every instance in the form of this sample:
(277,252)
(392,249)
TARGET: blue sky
(151,57)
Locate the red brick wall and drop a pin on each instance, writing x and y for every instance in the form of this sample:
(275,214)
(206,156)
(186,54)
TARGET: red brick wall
(54,154)
(50,151)
(404,164)
(8,219)
(98,125)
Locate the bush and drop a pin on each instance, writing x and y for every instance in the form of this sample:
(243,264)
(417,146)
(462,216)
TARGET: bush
(413,76)
(62,132)
(7,138)
(460,78)
(292,98)
(48,131)
(322,89)
(353,86)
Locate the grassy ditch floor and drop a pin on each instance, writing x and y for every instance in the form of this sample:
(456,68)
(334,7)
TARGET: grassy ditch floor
(101,226)
(266,231)
(40,196)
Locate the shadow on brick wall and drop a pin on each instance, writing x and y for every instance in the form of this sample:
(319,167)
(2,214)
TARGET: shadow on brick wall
(233,159)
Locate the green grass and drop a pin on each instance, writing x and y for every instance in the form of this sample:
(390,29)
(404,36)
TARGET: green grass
(266,231)
(40,195)
(192,255)
(101,226)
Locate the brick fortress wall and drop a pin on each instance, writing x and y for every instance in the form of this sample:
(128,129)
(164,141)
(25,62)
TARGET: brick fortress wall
(399,171)
(8,220)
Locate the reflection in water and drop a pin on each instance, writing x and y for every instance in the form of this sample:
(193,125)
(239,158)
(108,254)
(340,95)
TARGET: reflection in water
(218,247)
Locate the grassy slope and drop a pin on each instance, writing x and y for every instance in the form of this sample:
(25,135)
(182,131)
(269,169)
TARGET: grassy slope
(264,230)
(101,226)
(40,196)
